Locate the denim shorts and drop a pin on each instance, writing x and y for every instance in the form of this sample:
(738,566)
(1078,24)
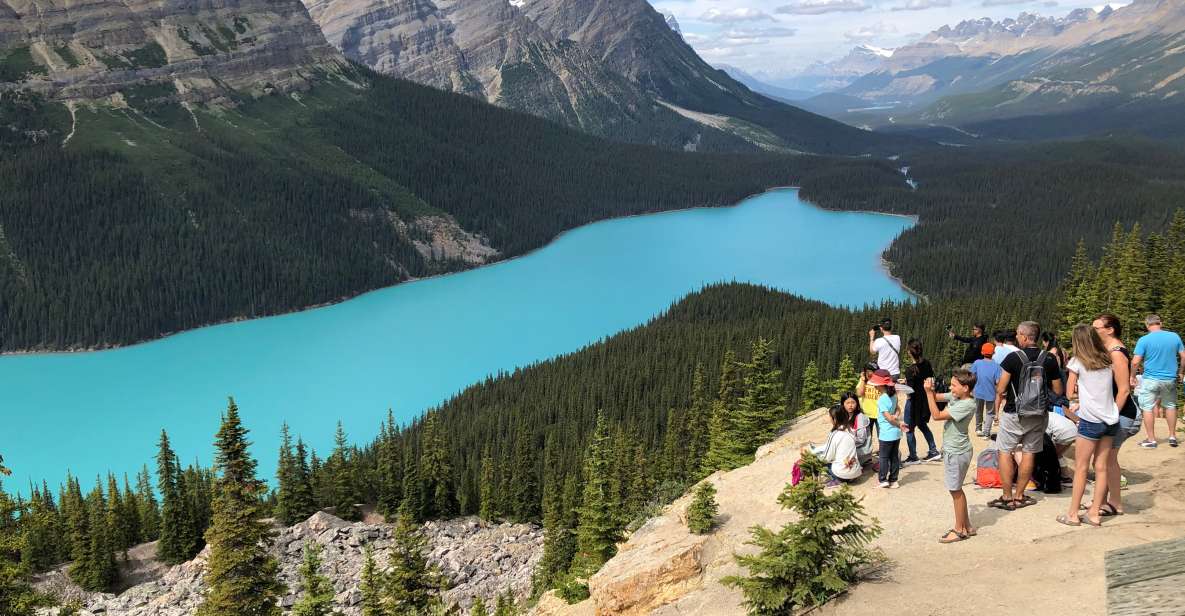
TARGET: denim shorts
(1152,391)
(1093,430)
(1125,430)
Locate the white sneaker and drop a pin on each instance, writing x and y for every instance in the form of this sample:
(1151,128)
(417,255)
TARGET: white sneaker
(894,485)
(884,484)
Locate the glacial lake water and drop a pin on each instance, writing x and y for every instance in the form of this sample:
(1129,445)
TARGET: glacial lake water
(412,346)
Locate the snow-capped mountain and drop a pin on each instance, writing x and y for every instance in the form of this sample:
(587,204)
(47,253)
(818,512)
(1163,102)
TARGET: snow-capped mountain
(828,76)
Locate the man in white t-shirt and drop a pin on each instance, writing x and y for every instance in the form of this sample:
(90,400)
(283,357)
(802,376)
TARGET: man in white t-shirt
(887,348)
(1005,346)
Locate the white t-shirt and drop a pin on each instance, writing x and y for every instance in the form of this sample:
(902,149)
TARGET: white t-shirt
(840,451)
(888,353)
(1002,351)
(1061,429)
(1096,398)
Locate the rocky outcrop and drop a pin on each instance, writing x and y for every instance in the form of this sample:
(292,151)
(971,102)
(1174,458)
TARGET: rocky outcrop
(193,52)
(481,559)
(484,48)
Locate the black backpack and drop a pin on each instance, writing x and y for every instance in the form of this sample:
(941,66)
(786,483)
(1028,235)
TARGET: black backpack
(1030,392)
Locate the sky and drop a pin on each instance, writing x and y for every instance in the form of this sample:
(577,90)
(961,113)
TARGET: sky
(774,38)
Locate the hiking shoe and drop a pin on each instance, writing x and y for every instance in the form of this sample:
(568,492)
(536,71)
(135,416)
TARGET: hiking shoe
(910,461)
(1148,444)
(884,484)
(1172,441)
(894,485)
(932,457)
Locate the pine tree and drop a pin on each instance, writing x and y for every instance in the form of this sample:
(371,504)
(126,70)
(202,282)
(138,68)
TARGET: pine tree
(390,467)
(845,379)
(17,597)
(808,561)
(413,498)
(762,408)
(174,542)
(1131,301)
(149,509)
(317,590)
(343,485)
(478,608)
(435,472)
(811,396)
(129,515)
(524,480)
(285,479)
(699,416)
(98,570)
(600,524)
(674,454)
(303,502)
(726,446)
(240,575)
(701,514)
(505,605)
(371,586)
(487,499)
(412,583)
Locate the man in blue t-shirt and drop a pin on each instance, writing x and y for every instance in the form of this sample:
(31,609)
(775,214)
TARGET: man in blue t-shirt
(1162,355)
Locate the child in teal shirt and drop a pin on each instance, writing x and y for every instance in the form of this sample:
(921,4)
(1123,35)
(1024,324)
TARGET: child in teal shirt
(889,426)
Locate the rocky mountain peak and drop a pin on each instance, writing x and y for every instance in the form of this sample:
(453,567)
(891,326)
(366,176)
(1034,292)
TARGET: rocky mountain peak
(196,51)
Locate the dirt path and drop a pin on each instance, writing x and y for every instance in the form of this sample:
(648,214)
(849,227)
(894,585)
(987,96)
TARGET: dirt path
(1022,562)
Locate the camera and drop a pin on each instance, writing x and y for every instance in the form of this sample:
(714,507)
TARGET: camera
(941,385)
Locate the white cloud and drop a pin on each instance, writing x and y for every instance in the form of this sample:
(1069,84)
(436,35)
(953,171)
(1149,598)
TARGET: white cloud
(739,14)
(819,7)
(868,32)
(1004,2)
(921,5)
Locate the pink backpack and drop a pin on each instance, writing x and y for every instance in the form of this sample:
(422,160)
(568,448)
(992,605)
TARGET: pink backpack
(796,473)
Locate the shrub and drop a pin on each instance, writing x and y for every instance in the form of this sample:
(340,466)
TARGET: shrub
(810,561)
(701,515)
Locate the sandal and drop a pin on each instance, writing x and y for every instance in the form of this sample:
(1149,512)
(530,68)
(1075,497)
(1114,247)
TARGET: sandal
(958,537)
(1000,503)
(1027,501)
(1068,521)
(1108,510)
(1094,524)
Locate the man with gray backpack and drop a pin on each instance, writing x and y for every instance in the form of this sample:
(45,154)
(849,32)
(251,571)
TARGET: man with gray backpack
(1029,382)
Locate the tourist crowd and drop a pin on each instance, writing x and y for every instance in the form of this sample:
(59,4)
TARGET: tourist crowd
(1028,400)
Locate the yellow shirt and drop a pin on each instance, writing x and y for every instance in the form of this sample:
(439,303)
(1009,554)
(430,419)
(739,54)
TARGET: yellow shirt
(868,400)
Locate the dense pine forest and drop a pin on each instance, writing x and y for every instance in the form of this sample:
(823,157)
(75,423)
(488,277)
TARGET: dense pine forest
(164,221)
(1007,219)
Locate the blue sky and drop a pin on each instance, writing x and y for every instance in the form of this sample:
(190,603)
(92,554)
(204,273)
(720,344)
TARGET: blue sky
(778,37)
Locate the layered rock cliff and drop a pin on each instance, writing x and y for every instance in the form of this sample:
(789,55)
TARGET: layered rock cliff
(213,49)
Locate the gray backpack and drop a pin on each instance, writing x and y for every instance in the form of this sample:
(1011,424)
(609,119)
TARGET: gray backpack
(1030,392)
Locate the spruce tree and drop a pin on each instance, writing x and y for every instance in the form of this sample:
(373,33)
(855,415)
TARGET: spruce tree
(524,479)
(285,480)
(698,418)
(149,509)
(240,575)
(130,514)
(701,514)
(303,502)
(505,605)
(600,526)
(343,484)
(811,395)
(17,597)
(435,471)
(371,586)
(845,379)
(674,454)
(486,498)
(811,560)
(478,608)
(413,585)
(172,548)
(390,461)
(727,442)
(315,588)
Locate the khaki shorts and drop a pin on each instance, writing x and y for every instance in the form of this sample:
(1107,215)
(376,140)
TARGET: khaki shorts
(1024,434)
(954,469)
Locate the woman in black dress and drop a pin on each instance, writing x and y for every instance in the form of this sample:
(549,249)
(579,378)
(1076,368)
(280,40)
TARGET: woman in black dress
(917,409)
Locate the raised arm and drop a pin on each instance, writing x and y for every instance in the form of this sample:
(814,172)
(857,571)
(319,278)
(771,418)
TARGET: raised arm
(872,341)
(932,399)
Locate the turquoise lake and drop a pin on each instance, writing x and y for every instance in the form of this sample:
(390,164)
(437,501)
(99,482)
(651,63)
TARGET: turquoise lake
(412,346)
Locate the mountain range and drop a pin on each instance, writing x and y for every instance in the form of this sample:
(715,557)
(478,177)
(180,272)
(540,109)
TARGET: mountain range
(613,68)
(1088,72)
